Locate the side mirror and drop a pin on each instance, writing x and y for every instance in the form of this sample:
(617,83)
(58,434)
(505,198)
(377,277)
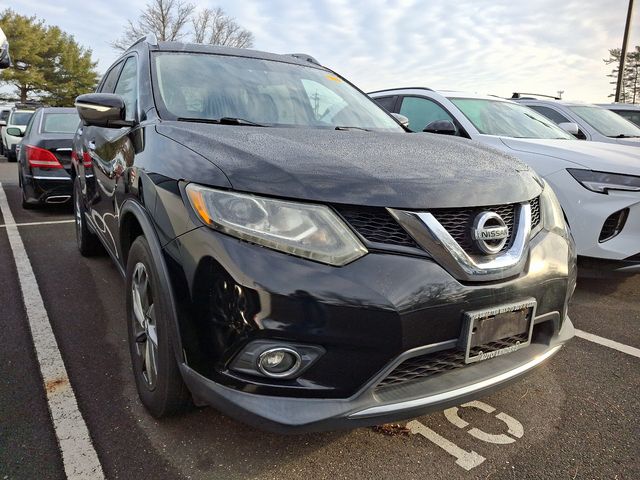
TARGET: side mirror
(404,121)
(15,132)
(569,127)
(102,110)
(5,58)
(443,127)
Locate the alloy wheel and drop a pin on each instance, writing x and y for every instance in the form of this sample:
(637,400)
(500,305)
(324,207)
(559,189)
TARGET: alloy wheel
(144,325)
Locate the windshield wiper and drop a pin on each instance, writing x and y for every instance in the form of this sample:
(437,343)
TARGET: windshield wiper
(352,128)
(239,121)
(222,121)
(623,135)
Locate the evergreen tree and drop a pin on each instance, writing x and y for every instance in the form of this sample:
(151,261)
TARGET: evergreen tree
(48,63)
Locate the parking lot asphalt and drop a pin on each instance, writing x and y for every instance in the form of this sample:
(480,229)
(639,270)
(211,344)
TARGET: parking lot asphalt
(575,417)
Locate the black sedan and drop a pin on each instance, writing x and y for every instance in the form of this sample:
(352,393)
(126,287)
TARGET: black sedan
(45,157)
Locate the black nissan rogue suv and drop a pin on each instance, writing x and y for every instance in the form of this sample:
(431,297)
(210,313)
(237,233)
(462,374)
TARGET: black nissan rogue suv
(293,258)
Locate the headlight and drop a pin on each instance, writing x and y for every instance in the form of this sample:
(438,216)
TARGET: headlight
(552,214)
(602,182)
(305,230)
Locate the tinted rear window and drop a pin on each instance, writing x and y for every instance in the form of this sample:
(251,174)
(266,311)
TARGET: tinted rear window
(60,122)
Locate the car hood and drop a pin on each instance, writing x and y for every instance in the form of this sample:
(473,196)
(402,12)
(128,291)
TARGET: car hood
(359,168)
(600,156)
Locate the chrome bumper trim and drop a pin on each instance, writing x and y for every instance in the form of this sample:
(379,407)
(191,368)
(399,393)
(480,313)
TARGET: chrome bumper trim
(39,177)
(458,392)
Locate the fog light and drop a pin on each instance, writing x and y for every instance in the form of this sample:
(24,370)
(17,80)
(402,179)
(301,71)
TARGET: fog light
(279,362)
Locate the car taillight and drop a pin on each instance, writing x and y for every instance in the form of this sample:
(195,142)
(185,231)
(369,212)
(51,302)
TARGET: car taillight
(86,159)
(41,158)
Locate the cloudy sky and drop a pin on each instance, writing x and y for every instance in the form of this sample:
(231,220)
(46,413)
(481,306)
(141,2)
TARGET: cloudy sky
(485,46)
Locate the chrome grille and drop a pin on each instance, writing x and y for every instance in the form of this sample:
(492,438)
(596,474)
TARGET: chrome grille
(459,222)
(424,366)
(377,226)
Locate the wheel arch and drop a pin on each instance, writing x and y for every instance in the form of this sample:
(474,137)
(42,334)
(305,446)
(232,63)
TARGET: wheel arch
(134,222)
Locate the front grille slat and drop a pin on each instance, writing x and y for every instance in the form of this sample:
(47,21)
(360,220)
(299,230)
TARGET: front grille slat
(377,225)
(535,212)
(425,366)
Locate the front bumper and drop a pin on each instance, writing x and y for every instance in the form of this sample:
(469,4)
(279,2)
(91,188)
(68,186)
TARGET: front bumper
(295,415)
(587,213)
(368,316)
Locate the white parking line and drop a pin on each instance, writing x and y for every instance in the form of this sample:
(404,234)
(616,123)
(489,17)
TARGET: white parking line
(78,455)
(29,224)
(621,347)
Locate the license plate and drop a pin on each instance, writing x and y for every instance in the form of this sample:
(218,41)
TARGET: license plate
(485,330)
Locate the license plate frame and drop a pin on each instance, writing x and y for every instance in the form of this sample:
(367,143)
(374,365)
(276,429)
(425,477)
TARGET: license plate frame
(475,319)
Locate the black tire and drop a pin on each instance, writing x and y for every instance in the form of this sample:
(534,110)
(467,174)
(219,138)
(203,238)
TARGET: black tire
(162,392)
(88,243)
(11,157)
(26,205)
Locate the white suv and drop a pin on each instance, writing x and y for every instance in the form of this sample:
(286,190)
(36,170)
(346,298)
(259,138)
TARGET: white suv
(593,122)
(19,119)
(598,184)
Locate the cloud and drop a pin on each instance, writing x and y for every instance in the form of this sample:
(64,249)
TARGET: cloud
(486,46)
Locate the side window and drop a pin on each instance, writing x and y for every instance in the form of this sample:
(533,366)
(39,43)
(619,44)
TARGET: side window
(553,115)
(556,117)
(387,102)
(630,115)
(127,86)
(29,126)
(110,79)
(421,112)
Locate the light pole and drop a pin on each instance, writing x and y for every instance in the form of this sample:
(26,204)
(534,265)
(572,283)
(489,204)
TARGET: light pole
(623,53)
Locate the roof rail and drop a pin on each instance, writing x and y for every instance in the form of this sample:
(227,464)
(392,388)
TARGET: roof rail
(401,88)
(519,95)
(29,104)
(305,58)
(149,38)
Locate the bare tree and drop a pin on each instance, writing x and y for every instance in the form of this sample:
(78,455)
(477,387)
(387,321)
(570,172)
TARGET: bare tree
(215,27)
(166,18)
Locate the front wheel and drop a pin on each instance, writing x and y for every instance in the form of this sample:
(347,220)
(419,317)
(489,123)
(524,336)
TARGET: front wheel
(158,379)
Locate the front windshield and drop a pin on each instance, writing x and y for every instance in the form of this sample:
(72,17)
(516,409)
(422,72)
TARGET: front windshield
(508,119)
(210,87)
(20,118)
(606,122)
